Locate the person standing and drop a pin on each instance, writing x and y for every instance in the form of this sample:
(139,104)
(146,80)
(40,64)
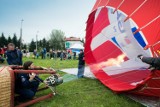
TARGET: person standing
(35,53)
(44,53)
(69,55)
(74,55)
(2,52)
(14,56)
(51,53)
(61,55)
(5,50)
(81,65)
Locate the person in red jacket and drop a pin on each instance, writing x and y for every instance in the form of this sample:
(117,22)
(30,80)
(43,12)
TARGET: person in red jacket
(1,52)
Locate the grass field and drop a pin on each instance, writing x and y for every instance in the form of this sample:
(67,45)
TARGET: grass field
(54,63)
(83,92)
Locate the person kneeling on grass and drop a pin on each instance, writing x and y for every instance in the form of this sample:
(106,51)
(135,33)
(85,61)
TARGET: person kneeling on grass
(26,85)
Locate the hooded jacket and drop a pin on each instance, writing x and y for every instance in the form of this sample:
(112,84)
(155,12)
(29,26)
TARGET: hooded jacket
(14,57)
(81,59)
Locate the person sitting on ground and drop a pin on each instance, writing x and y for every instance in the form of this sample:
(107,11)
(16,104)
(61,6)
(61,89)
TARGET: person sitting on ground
(14,56)
(26,85)
(153,62)
(1,59)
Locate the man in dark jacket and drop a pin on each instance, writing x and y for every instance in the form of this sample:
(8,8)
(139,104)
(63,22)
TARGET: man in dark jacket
(14,56)
(81,65)
(27,84)
(74,55)
(154,62)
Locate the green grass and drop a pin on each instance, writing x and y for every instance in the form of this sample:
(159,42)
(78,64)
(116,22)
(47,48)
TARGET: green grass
(54,63)
(83,92)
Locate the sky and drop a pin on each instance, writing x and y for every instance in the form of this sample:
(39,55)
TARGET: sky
(42,16)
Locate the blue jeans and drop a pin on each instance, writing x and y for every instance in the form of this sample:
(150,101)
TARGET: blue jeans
(80,73)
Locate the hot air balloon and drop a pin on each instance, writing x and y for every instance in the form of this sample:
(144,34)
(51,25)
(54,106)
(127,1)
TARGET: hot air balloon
(116,32)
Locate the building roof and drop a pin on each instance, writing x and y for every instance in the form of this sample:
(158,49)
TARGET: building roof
(72,39)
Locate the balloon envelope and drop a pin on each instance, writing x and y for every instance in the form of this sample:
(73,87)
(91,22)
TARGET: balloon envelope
(115,34)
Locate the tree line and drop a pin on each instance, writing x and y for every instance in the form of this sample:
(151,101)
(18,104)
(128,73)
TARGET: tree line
(4,41)
(55,41)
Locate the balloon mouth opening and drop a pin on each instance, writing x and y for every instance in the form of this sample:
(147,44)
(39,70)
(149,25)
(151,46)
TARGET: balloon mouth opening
(110,62)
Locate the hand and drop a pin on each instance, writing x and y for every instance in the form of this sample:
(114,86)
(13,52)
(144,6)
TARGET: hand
(151,68)
(147,47)
(32,76)
(51,70)
(83,58)
(45,82)
(140,56)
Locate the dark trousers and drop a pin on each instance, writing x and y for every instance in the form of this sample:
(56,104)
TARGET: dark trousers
(80,73)
(29,92)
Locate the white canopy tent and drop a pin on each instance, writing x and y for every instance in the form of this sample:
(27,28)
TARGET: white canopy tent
(77,46)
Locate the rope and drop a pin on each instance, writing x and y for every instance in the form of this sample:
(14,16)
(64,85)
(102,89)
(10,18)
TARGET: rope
(118,6)
(135,10)
(107,3)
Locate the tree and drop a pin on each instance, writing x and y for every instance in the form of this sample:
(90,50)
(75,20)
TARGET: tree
(14,40)
(47,46)
(32,46)
(3,40)
(19,43)
(9,40)
(40,43)
(24,46)
(57,40)
(82,40)
(44,43)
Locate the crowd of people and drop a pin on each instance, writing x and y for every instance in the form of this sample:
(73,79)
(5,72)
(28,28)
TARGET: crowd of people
(53,54)
(26,85)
